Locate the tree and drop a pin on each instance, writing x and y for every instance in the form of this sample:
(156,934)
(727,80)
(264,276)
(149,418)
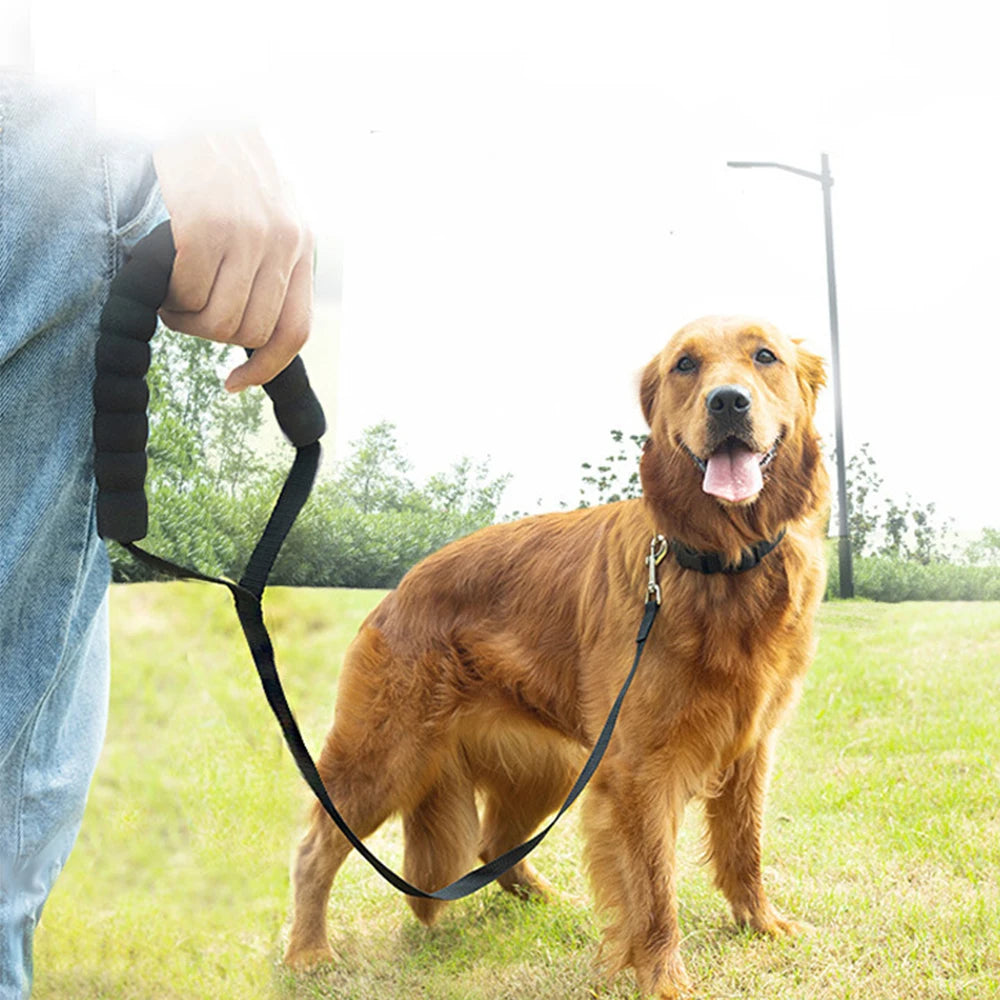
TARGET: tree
(984,550)
(909,531)
(200,435)
(211,490)
(375,477)
(467,489)
(864,486)
(233,450)
(616,477)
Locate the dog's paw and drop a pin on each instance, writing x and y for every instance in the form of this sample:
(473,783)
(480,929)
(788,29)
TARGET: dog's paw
(790,928)
(680,988)
(773,924)
(308,959)
(525,882)
(673,991)
(668,981)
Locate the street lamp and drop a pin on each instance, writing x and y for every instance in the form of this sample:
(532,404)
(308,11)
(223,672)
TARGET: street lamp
(844,546)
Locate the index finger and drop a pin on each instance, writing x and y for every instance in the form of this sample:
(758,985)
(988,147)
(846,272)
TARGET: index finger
(290,333)
(196,267)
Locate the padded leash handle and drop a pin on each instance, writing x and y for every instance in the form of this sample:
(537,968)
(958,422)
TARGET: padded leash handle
(121,396)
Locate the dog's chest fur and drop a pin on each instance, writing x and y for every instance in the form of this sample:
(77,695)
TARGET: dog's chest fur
(723,674)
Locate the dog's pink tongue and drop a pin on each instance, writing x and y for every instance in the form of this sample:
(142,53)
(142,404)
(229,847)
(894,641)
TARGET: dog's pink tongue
(733,474)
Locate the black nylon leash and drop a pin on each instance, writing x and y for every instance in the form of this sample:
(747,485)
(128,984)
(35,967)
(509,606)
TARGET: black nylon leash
(128,322)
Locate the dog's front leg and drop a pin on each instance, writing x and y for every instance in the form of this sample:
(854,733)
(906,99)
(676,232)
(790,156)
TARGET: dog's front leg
(734,814)
(630,822)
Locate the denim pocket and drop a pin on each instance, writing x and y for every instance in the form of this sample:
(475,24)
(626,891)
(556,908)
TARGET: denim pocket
(134,203)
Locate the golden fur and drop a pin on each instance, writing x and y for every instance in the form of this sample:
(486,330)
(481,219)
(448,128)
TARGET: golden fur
(486,676)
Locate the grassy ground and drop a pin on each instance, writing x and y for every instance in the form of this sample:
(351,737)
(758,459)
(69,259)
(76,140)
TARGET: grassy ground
(883,830)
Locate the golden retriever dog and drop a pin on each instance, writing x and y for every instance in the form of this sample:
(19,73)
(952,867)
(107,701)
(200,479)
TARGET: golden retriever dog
(474,692)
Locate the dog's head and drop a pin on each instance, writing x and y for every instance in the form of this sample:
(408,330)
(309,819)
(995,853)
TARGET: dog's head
(730,404)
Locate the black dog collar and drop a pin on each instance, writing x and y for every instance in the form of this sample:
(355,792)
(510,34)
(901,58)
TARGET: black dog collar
(715,562)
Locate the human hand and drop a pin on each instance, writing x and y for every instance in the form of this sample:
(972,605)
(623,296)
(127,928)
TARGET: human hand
(243,270)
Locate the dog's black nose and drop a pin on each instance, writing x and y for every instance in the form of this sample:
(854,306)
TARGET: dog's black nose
(728,401)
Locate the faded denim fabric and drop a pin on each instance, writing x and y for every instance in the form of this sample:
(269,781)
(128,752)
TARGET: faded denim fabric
(71,205)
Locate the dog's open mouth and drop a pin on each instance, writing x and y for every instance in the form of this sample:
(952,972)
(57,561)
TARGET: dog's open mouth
(734,471)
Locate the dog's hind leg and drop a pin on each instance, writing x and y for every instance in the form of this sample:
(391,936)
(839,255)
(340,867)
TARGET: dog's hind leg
(319,856)
(375,762)
(520,794)
(365,806)
(441,834)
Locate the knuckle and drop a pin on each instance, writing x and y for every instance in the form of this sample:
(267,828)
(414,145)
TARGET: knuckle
(196,301)
(287,233)
(188,291)
(255,339)
(217,229)
(227,327)
(184,322)
(256,230)
(234,228)
(184,300)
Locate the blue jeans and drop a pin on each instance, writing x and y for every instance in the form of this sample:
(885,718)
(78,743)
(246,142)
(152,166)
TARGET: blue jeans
(71,205)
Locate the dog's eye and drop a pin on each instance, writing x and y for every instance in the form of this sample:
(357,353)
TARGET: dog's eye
(685,365)
(765,357)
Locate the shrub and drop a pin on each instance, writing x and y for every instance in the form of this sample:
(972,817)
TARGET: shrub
(332,544)
(365,524)
(879,578)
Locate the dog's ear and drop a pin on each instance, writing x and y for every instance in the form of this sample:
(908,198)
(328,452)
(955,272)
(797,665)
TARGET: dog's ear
(810,370)
(649,385)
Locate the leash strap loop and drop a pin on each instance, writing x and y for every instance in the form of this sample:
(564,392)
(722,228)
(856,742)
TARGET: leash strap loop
(128,321)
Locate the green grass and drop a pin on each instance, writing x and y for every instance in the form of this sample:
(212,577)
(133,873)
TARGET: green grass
(883,830)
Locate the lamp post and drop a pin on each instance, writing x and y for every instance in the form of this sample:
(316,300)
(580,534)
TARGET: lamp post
(844,541)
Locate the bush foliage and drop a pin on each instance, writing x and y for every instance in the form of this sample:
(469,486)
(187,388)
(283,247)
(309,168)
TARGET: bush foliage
(333,544)
(211,490)
(882,578)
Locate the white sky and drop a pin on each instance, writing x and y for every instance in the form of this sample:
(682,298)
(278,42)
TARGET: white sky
(528,198)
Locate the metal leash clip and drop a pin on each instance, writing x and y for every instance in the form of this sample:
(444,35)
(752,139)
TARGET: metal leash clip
(658,548)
